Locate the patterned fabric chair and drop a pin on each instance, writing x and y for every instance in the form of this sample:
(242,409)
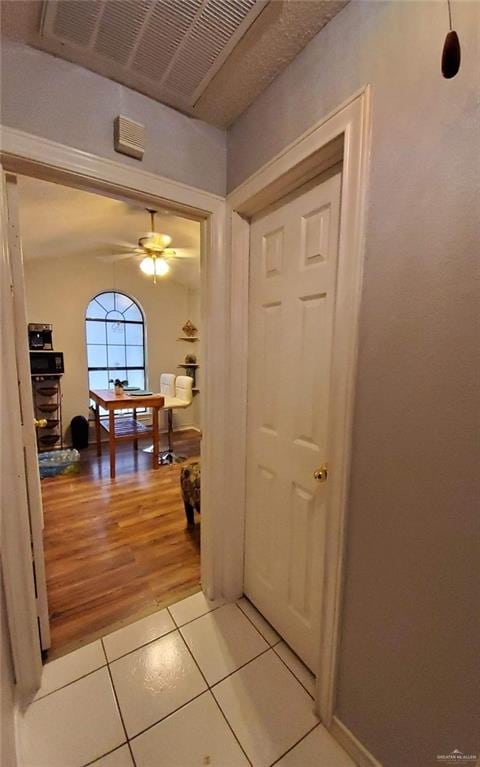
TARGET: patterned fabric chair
(190,485)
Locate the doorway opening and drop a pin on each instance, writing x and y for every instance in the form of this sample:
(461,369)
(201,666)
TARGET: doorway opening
(117,543)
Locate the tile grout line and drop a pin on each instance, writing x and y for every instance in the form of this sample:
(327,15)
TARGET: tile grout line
(63,686)
(211,686)
(295,744)
(141,646)
(293,673)
(104,650)
(256,627)
(171,713)
(97,758)
(119,709)
(151,641)
(192,620)
(209,689)
(231,728)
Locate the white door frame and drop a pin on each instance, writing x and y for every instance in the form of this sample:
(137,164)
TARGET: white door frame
(344,135)
(17,570)
(36,156)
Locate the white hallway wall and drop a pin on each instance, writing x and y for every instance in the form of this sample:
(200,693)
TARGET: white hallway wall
(58,292)
(409,643)
(61,101)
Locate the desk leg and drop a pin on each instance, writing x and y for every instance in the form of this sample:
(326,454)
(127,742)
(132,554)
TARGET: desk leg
(98,430)
(135,441)
(111,437)
(155,437)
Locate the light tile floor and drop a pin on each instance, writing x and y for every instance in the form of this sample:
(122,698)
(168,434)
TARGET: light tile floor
(199,683)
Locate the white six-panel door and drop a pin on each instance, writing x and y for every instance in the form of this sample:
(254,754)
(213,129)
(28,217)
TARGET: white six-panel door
(293,252)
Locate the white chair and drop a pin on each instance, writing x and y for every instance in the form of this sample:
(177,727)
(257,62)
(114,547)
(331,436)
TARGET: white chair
(167,388)
(167,384)
(182,398)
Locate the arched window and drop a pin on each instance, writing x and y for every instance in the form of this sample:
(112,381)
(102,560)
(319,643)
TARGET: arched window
(115,331)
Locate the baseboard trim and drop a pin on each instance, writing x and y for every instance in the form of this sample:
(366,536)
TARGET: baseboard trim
(360,755)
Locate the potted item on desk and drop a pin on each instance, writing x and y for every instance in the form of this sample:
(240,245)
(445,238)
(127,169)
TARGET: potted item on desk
(118,385)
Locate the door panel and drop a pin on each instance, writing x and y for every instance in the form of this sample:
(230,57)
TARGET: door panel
(293,254)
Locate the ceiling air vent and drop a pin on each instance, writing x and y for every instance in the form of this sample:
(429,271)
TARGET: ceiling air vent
(168,49)
(129,137)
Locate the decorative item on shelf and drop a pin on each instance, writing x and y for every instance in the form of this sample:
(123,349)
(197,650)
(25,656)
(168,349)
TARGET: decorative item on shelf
(190,368)
(189,329)
(190,359)
(118,385)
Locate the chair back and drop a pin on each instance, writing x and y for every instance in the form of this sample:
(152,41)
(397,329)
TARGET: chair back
(167,384)
(183,388)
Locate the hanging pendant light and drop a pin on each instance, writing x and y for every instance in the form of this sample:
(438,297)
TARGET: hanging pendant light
(451,50)
(154,242)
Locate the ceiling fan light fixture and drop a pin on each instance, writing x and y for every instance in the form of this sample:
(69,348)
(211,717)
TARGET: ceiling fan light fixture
(155,241)
(154,267)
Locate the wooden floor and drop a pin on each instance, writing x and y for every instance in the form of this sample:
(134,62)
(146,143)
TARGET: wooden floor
(116,550)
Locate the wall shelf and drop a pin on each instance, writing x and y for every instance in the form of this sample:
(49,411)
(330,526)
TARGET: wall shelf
(190,339)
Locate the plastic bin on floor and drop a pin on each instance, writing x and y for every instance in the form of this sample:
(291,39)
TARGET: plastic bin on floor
(56,462)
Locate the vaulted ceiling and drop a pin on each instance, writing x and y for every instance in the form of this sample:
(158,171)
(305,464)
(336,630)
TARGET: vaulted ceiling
(60,222)
(208,58)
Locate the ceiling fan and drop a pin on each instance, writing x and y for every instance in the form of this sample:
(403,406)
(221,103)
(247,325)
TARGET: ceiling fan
(153,246)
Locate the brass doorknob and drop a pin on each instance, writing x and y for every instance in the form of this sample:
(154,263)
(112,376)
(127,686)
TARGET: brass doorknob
(321,473)
(39,423)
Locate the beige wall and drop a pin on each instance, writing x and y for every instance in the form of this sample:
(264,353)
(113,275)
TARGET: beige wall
(58,292)
(63,102)
(410,639)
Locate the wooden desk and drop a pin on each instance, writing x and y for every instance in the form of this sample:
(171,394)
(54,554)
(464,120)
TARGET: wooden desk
(130,429)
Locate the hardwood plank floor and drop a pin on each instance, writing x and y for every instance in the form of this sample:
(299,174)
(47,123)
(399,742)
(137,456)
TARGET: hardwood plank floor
(116,550)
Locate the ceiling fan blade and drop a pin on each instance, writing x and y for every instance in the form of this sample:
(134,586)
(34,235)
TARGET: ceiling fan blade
(181,253)
(120,244)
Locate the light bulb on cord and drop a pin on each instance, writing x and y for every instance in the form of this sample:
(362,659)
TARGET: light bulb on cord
(154,267)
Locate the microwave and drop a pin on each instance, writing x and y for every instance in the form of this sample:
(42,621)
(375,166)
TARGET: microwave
(46,363)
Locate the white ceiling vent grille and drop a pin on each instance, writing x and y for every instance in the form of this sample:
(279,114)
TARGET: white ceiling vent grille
(75,21)
(173,47)
(169,23)
(209,35)
(119,28)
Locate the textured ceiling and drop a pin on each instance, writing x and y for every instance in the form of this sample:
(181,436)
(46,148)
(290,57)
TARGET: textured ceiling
(60,222)
(208,58)
(277,36)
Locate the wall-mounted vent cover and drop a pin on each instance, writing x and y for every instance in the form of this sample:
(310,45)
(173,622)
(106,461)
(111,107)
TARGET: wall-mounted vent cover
(129,137)
(168,48)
